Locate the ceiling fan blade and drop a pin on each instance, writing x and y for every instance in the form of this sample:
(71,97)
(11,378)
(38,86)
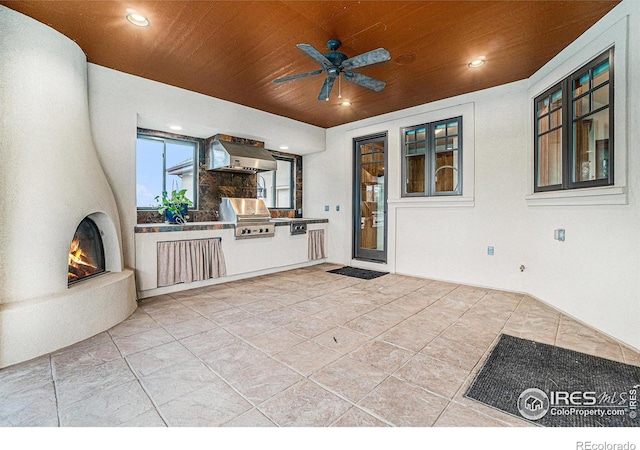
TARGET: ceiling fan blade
(366,59)
(365,81)
(311,51)
(326,88)
(300,75)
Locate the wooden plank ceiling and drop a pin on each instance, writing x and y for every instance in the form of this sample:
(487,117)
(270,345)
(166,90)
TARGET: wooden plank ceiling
(234,49)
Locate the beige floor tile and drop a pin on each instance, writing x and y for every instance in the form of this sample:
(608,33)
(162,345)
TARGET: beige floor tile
(371,325)
(531,323)
(231,360)
(468,293)
(307,357)
(203,375)
(261,307)
(382,355)
(436,376)
(341,339)
(149,418)
(289,298)
(456,353)
(159,303)
(175,381)
(283,316)
(209,341)
(456,415)
(349,378)
(478,337)
(229,316)
(249,327)
(263,380)
(403,404)
(355,417)
(172,316)
(312,306)
(252,418)
(99,338)
(210,406)
(159,358)
(309,327)
(206,306)
(453,303)
(137,322)
(436,289)
(631,356)
(406,335)
(191,293)
(24,376)
(275,341)
(29,407)
(108,408)
(440,314)
(143,341)
(87,380)
(475,318)
(305,404)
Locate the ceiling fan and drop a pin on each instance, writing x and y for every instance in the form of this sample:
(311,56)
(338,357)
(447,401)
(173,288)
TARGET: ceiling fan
(335,63)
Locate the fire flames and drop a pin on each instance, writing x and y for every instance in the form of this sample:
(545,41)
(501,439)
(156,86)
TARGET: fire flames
(80,264)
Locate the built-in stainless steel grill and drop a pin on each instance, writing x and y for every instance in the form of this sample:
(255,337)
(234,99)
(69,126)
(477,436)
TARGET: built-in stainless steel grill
(250,215)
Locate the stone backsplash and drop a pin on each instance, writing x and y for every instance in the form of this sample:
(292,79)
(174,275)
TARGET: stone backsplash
(214,185)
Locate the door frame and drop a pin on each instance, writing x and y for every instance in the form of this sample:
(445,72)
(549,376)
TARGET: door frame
(358,253)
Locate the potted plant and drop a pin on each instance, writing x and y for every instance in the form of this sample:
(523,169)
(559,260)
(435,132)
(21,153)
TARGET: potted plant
(175,206)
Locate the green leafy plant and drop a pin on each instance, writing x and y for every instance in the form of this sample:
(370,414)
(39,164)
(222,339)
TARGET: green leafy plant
(174,206)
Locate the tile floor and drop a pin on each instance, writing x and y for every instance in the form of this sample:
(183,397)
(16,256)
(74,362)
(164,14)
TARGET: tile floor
(297,348)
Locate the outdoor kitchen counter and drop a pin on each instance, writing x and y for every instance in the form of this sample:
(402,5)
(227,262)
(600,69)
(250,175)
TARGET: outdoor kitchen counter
(244,257)
(218,225)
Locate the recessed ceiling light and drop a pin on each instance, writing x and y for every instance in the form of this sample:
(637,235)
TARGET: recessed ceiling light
(137,19)
(175,127)
(477,62)
(347,103)
(284,147)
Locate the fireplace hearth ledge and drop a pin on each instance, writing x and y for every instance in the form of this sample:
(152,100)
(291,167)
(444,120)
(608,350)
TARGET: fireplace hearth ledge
(35,327)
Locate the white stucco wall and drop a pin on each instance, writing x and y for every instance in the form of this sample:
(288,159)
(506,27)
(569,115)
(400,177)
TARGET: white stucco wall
(51,179)
(119,103)
(592,276)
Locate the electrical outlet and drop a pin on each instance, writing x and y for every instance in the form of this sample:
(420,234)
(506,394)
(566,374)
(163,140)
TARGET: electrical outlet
(490,250)
(337,207)
(326,207)
(558,234)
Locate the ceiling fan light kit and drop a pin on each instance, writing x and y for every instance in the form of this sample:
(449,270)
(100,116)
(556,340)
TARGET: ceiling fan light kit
(335,63)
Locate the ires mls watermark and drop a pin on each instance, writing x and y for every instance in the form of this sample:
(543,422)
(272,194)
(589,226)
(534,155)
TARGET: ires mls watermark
(534,404)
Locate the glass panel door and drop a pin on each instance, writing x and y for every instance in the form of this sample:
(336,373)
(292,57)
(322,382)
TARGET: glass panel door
(370,198)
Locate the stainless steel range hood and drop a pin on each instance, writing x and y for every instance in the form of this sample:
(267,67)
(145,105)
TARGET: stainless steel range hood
(229,156)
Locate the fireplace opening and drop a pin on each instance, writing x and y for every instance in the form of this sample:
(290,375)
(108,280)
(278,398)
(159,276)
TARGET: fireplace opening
(86,254)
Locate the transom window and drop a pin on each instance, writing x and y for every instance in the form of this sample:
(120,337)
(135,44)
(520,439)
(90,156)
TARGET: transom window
(432,158)
(164,165)
(574,129)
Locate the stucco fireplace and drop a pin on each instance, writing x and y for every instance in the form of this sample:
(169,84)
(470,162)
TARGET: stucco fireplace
(52,182)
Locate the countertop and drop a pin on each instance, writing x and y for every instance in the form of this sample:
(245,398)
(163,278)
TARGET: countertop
(217,225)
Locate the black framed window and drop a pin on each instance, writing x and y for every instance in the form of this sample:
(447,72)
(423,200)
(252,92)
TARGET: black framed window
(574,129)
(432,159)
(162,165)
(276,187)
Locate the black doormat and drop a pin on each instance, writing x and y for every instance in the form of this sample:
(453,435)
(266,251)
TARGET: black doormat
(555,387)
(357,273)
